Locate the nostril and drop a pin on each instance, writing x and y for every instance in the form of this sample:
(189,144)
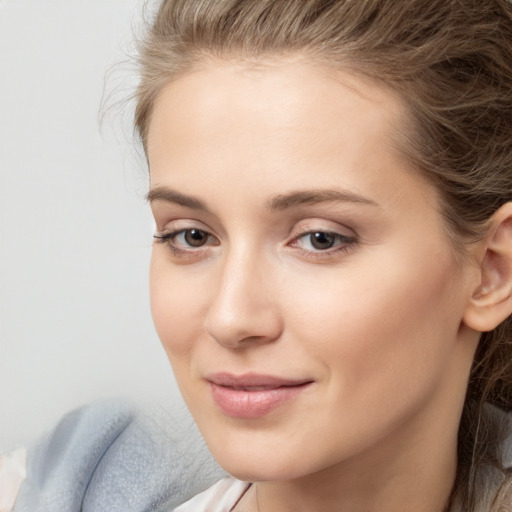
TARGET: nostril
(243,330)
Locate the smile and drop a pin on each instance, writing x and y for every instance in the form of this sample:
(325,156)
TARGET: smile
(252,396)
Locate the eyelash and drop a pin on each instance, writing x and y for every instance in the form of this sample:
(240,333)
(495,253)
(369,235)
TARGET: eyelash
(168,238)
(345,243)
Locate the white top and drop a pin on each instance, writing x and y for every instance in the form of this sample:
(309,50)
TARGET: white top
(12,473)
(220,497)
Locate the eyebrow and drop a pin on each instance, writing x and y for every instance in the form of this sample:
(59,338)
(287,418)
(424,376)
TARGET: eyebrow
(278,203)
(172,196)
(299,198)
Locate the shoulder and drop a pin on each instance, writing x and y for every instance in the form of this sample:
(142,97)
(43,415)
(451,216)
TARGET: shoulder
(110,456)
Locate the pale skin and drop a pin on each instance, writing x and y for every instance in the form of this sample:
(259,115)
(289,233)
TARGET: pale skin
(383,323)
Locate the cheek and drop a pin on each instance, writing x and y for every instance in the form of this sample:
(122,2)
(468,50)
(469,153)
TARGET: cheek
(175,306)
(177,315)
(386,322)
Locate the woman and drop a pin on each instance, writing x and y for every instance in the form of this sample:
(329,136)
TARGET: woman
(330,182)
(331,278)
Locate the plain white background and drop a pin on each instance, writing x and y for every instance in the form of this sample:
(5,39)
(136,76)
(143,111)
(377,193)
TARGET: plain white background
(75,232)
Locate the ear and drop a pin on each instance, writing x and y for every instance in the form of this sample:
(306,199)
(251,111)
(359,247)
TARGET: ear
(491,301)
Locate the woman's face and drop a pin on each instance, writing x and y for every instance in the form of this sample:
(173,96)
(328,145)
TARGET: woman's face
(303,288)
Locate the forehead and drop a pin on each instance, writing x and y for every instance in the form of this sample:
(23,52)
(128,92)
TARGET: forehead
(290,98)
(280,127)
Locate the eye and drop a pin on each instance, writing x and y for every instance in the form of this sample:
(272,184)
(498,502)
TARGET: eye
(187,239)
(323,241)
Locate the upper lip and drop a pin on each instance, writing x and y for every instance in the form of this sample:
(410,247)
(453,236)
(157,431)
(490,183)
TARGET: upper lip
(253,380)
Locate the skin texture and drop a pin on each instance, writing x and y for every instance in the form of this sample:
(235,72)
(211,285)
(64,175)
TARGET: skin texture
(376,322)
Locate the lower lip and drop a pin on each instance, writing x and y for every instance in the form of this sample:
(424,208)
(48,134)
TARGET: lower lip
(253,404)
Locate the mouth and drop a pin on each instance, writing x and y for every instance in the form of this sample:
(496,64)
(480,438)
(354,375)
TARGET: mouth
(252,396)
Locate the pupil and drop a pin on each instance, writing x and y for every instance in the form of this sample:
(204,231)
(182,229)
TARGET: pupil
(195,237)
(322,240)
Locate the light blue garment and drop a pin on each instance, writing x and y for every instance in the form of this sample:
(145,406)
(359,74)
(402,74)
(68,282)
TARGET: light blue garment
(110,458)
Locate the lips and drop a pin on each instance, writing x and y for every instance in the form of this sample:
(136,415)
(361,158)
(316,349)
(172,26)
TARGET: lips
(251,396)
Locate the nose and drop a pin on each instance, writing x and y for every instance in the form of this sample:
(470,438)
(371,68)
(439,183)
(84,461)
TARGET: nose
(243,310)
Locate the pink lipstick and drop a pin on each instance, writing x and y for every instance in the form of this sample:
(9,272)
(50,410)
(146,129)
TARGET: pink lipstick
(251,396)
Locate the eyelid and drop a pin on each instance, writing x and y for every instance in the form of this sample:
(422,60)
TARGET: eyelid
(317,225)
(179,224)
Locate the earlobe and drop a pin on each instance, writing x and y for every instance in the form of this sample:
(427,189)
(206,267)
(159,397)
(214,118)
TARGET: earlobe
(491,300)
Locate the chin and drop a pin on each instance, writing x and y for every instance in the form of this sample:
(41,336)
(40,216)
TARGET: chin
(260,458)
(268,470)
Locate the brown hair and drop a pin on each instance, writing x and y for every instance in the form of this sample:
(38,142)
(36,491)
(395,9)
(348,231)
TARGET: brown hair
(451,63)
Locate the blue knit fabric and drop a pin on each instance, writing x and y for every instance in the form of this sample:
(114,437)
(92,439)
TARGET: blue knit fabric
(110,458)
